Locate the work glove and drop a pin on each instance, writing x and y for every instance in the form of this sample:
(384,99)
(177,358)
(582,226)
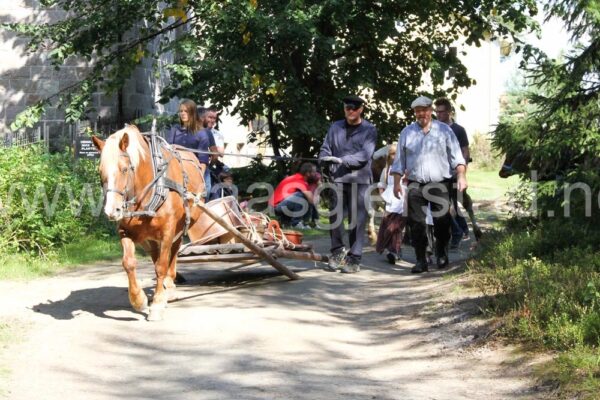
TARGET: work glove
(331,159)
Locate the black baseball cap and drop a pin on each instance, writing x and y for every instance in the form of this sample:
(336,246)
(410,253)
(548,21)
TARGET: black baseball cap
(354,100)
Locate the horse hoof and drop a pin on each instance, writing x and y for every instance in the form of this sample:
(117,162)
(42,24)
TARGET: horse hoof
(171,294)
(141,306)
(155,314)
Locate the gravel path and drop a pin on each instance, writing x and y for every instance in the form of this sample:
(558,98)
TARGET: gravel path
(249,334)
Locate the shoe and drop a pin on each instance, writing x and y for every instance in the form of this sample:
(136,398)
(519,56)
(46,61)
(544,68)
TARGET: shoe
(352,266)
(391,257)
(336,261)
(455,241)
(442,262)
(466,236)
(300,226)
(420,266)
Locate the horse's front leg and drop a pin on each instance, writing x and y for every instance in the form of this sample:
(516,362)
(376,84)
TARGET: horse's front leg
(172,270)
(161,266)
(137,297)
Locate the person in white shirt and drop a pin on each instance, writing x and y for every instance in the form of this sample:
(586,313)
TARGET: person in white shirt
(391,230)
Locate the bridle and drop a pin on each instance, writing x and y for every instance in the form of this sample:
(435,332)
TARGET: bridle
(130,171)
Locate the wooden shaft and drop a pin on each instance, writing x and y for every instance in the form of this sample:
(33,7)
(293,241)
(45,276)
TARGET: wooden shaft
(300,255)
(253,247)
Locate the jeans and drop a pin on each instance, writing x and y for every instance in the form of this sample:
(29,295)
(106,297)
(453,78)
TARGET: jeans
(293,209)
(207,183)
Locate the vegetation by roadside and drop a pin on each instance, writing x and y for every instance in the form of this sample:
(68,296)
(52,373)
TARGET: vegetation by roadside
(542,279)
(85,250)
(486,185)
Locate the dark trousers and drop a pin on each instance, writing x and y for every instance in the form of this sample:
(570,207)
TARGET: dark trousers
(293,209)
(349,200)
(419,197)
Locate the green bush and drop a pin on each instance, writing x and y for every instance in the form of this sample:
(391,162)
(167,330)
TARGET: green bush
(46,200)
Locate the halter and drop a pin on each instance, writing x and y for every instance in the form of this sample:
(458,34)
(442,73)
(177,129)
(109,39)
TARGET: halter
(130,171)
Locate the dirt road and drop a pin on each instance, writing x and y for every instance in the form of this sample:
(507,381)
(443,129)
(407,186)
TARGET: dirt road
(248,334)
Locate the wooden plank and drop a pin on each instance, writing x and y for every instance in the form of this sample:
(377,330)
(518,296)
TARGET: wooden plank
(252,246)
(196,249)
(218,258)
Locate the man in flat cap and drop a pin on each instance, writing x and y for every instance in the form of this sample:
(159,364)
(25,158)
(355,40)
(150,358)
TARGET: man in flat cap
(428,153)
(347,152)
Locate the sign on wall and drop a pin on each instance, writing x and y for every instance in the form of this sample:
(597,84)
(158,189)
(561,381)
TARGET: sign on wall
(84,148)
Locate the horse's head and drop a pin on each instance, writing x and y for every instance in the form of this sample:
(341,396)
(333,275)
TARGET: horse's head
(120,156)
(514,163)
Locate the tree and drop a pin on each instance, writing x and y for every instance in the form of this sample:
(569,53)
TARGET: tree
(563,99)
(290,61)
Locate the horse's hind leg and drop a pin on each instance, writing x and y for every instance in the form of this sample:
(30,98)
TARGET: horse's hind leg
(137,297)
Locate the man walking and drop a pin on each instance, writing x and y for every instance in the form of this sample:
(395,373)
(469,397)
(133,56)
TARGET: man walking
(347,149)
(427,151)
(444,113)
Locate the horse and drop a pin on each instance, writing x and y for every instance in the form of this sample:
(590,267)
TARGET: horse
(130,181)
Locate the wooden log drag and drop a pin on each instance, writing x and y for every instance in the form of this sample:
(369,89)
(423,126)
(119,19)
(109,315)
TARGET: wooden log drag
(252,246)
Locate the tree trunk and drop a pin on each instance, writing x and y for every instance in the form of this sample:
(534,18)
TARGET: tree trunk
(274,139)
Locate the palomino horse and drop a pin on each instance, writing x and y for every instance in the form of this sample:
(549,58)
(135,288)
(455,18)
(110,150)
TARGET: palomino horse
(129,179)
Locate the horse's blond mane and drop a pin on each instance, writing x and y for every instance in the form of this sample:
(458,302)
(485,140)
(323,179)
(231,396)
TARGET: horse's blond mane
(111,151)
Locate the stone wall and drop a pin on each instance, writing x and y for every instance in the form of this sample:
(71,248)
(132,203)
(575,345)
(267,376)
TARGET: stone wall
(27,78)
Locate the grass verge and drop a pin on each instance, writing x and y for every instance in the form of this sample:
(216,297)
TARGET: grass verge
(543,280)
(488,186)
(84,250)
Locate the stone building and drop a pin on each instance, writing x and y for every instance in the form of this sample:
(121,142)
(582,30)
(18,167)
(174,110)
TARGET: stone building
(27,78)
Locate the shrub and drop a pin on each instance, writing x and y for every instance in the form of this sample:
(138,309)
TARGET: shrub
(544,278)
(45,199)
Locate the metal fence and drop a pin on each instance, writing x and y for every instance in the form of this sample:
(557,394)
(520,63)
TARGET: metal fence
(26,137)
(57,135)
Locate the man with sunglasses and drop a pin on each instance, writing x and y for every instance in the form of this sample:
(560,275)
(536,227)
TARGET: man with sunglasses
(347,152)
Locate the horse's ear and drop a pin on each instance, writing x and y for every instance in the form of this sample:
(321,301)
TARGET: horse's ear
(124,142)
(99,143)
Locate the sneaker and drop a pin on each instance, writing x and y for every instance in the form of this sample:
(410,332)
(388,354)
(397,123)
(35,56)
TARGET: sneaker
(420,266)
(336,261)
(391,257)
(352,266)
(300,226)
(442,262)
